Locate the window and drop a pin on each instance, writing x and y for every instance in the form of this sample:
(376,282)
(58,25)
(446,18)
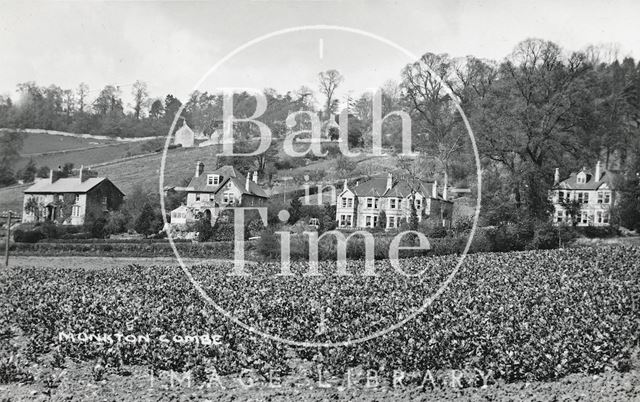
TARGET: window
(77,201)
(604,197)
(418,203)
(367,221)
(75,211)
(197,196)
(213,179)
(581,178)
(229,184)
(104,201)
(375,220)
(392,222)
(345,220)
(375,202)
(347,202)
(369,202)
(227,197)
(584,217)
(605,216)
(583,197)
(393,203)
(559,215)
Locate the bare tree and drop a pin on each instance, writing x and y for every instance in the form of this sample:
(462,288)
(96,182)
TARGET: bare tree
(82,91)
(140,95)
(69,101)
(330,80)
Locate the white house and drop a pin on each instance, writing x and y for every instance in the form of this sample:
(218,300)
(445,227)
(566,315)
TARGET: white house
(184,136)
(361,205)
(208,193)
(595,192)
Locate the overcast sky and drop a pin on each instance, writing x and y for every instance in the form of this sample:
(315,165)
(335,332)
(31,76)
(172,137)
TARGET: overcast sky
(170,45)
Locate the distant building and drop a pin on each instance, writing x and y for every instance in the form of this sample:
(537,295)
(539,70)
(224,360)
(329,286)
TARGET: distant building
(361,205)
(595,192)
(184,136)
(208,193)
(69,200)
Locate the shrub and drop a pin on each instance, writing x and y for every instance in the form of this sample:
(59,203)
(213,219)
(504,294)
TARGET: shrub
(27,236)
(599,231)
(268,245)
(49,230)
(436,232)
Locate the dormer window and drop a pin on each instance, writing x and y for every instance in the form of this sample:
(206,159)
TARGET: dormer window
(213,180)
(581,178)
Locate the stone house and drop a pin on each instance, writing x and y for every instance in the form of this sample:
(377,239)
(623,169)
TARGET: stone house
(69,200)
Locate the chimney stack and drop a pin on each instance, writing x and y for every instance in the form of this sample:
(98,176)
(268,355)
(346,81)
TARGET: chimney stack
(51,176)
(344,186)
(247,182)
(598,171)
(389,181)
(556,176)
(80,175)
(444,192)
(255,177)
(199,168)
(434,190)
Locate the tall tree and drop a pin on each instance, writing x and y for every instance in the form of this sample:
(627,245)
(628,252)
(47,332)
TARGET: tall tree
(140,96)
(532,121)
(329,81)
(157,109)
(81,92)
(108,101)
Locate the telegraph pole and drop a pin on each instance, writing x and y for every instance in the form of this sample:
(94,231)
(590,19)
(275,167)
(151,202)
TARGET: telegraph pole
(6,245)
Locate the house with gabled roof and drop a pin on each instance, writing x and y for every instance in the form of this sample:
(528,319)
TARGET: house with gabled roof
(70,200)
(594,192)
(360,205)
(210,192)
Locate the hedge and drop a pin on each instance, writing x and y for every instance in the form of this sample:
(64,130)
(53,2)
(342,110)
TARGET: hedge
(224,250)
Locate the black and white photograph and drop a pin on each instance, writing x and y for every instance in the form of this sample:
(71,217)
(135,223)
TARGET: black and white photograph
(320,200)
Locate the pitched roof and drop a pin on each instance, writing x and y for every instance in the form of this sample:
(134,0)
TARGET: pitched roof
(227,173)
(591,182)
(377,187)
(66,185)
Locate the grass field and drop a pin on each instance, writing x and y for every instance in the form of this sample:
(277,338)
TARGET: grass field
(35,144)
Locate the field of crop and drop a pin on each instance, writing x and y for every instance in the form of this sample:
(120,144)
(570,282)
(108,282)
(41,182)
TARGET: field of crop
(510,317)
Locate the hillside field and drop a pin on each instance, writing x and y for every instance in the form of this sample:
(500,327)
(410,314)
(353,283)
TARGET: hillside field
(128,165)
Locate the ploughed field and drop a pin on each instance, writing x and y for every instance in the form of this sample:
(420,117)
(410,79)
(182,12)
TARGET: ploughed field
(521,316)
